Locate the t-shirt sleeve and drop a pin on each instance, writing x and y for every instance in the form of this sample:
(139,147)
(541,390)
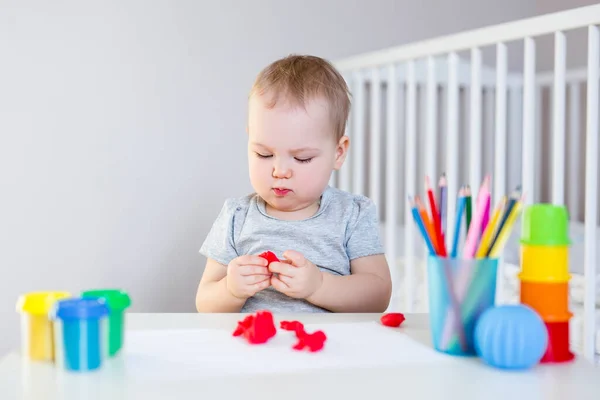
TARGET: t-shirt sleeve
(363,230)
(219,243)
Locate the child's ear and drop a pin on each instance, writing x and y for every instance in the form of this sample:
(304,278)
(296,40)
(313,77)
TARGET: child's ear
(341,151)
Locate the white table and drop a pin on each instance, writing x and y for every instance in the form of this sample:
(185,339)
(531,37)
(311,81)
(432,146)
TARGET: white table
(465,378)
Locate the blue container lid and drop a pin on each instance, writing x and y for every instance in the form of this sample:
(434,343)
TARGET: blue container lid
(80,308)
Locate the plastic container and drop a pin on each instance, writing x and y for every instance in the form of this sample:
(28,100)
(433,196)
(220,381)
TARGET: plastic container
(118,301)
(511,337)
(37,335)
(544,264)
(558,343)
(549,300)
(460,290)
(545,225)
(81,328)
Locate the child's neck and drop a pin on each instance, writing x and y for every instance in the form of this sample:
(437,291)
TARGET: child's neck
(296,215)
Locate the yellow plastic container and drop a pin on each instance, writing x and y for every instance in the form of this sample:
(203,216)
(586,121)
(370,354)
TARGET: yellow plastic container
(37,338)
(545,264)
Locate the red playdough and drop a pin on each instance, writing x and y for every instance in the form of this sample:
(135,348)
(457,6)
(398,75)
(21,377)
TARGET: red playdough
(256,328)
(392,319)
(269,256)
(310,341)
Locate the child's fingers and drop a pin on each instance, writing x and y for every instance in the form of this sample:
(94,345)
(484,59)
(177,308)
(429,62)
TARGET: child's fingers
(247,270)
(282,269)
(279,285)
(286,280)
(250,259)
(296,258)
(256,279)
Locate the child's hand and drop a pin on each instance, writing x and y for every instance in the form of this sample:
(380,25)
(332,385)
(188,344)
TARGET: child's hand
(247,275)
(298,277)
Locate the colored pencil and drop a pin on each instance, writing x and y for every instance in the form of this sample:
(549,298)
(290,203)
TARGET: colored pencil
(514,197)
(435,216)
(475,228)
(486,239)
(443,185)
(469,206)
(462,201)
(419,223)
(505,232)
(427,223)
(486,215)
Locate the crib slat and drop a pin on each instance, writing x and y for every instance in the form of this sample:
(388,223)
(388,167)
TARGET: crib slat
(488,130)
(475,121)
(375,139)
(391,201)
(499,178)
(558,120)
(529,90)
(452,143)
(431,119)
(514,136)
(537,139)
(358,127)
(573,193)
(591,191)
(345,174)
(411,187)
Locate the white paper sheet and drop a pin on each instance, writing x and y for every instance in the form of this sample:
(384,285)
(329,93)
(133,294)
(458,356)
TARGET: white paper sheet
(176,354)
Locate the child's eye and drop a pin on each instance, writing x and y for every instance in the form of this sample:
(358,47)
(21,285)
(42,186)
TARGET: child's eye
(262,155)
(304,160)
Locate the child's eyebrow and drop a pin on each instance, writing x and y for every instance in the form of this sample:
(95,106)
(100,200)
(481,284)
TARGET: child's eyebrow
(293,151)
(304,149)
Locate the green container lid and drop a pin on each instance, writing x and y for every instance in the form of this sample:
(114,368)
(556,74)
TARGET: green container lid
(545,225)
(115,299)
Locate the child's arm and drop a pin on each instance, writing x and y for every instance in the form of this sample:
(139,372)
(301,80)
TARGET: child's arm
(367,289)
(212,294)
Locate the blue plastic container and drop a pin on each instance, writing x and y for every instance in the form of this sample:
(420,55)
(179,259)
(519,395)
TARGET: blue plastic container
(80,333)
(460,290)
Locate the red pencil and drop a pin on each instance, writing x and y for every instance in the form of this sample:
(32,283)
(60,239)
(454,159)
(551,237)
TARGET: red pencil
(429,228)
(435,216)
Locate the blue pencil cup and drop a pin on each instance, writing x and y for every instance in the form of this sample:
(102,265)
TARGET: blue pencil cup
(459,291)
(80,333)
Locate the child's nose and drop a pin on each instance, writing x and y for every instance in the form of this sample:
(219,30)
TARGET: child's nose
(281,171)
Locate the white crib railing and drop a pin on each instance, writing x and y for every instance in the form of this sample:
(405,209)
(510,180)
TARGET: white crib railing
(412,105)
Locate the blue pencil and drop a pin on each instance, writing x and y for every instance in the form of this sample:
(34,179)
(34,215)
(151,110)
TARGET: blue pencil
(462,201)
(421,225)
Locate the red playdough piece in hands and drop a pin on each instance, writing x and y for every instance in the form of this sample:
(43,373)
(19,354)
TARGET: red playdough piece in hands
(257,328)
(269,256)
(392,319)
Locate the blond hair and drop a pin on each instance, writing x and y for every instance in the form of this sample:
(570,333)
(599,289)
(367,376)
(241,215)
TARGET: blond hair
(300,78)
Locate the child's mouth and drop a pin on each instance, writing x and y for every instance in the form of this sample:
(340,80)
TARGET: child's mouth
(281,191)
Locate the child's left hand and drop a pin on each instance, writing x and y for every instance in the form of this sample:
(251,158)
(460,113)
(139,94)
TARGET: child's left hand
(298,277)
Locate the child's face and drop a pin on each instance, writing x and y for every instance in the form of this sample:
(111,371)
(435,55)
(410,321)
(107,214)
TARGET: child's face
(292,152)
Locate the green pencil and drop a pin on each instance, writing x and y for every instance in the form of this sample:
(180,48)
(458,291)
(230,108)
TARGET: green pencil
(468,206)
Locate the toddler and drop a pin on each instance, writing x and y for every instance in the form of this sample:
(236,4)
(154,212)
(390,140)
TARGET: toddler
(327,240)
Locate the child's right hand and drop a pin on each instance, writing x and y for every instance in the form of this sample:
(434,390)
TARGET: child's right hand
(247,275)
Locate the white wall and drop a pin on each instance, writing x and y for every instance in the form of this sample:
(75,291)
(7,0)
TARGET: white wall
(122,127)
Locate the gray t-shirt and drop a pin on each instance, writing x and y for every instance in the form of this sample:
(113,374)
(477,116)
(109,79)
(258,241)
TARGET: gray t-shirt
(344,228)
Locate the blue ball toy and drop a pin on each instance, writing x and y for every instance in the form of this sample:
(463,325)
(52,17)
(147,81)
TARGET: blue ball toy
(511,337)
